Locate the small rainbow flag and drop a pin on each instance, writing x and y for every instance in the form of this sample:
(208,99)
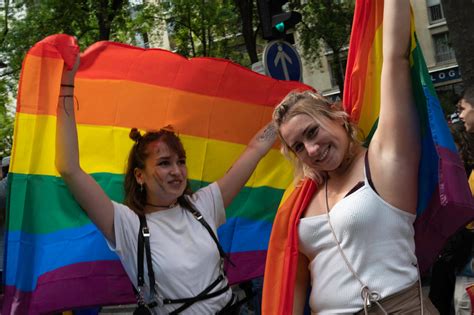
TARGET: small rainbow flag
(56,259)
(445,203)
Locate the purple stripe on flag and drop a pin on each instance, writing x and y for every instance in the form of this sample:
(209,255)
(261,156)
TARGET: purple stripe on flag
(451,174)
(434,226)
(250,265)
(89,284)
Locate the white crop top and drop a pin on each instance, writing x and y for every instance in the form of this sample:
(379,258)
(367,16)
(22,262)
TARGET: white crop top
(378,240)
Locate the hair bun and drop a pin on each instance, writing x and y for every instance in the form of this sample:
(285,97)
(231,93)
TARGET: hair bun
(135,135)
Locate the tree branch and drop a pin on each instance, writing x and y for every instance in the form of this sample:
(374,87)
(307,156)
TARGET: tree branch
(5,28)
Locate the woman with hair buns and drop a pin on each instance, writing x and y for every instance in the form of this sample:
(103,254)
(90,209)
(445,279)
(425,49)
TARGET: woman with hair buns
(185,255)
(356,237)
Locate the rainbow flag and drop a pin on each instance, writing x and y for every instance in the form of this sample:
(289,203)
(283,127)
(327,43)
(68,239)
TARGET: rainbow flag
(56,259)
(445,203)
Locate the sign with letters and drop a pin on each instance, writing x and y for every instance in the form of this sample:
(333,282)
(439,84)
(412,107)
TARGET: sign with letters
(445,75)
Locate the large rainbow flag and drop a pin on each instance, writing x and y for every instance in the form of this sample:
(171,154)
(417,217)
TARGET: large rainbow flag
(445,203)
(56,259)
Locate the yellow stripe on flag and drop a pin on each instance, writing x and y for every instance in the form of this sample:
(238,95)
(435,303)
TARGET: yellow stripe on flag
(104,149)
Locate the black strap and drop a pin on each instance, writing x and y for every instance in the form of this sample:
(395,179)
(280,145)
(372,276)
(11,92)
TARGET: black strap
(144,243)
(201,296)
(367,171)
(204,295)
(200,218)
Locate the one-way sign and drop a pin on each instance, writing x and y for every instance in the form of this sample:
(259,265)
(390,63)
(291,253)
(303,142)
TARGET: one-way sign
(282,61)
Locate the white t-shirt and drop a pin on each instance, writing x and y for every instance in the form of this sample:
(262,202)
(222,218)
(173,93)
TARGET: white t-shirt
(185,258)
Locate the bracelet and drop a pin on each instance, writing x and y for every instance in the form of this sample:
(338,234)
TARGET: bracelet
(68,85)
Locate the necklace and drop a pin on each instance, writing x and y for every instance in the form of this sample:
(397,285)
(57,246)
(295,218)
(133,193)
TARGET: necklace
(174,204)
(367,295)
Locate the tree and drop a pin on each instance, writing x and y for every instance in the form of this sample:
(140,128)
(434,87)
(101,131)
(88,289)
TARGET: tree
(458,14)
(89,20)
(6,121)
(202,27)
(25,22)
(246,10)
(325,24)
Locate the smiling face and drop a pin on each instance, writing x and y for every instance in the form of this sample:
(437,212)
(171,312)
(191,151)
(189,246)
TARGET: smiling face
(164,176)
(467,114)
(320,144)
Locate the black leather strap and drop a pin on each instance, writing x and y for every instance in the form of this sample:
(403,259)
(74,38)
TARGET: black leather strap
(144,244)
(200,218)
(201,296)
(140,252)
(204,295)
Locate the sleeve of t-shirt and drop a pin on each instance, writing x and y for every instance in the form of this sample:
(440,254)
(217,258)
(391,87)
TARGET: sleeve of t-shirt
(208,201)
(126,225)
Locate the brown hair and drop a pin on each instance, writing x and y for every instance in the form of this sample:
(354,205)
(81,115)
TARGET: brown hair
(468,96)
(135,195)
(465,144)
(315,106)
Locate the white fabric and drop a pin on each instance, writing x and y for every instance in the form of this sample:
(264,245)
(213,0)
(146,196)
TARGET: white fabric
(377,239)
(462,302)
(185,258)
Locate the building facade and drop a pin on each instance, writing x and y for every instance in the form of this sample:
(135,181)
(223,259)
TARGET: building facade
(433,36)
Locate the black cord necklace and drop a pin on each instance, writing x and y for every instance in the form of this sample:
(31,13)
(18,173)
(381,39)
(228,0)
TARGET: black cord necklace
(174,204)
(326,191)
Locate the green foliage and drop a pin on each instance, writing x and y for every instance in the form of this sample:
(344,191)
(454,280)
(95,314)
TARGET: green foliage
(25,22)
(88,20)
(204,28)
(326,28)
(329,21)
(6,122)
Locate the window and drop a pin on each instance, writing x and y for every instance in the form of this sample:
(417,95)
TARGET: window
(435,11)
(333,67)
(443,50)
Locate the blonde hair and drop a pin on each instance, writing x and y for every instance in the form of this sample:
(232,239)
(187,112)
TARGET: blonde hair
(315,106)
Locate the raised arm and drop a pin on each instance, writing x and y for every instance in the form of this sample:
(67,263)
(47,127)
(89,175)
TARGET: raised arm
(236,177)
(394,151)
(85,189)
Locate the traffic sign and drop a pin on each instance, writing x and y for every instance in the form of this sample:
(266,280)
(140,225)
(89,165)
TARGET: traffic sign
(282,61)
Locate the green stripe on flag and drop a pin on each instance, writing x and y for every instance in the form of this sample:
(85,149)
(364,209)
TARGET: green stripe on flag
(42,204)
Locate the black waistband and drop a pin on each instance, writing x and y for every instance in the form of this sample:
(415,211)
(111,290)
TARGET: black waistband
(187,302)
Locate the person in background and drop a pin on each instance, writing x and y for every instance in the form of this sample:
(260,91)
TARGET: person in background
(465,279)
(453,259)
(466,109)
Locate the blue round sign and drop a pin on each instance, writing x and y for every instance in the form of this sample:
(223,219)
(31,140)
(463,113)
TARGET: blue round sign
(282,61)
